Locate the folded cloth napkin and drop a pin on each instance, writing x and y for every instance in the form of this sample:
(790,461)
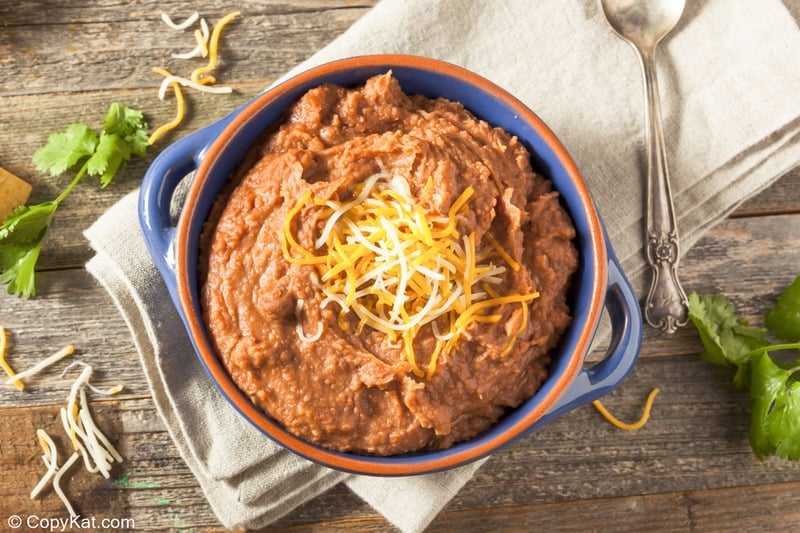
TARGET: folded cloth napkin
(729,79)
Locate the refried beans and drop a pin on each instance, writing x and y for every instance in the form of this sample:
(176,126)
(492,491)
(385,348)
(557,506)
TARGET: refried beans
(283,312)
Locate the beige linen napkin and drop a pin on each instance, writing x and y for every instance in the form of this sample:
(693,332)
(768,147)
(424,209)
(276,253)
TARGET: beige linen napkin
(730,79)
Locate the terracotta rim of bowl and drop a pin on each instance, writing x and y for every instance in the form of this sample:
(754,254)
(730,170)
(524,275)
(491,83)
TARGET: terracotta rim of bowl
(392,465)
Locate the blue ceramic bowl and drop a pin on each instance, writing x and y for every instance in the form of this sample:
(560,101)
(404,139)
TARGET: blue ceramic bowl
(214,153)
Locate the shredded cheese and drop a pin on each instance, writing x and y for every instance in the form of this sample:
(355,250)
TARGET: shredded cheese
(54,473)
(382,257)
(300,331)
(199,74)
(10,371)
(41,365)
(57,483)
(200,79)
(87,440)
(180,112)
(170,80)
(50,460)
(201,38)
(623,425)
(191,19)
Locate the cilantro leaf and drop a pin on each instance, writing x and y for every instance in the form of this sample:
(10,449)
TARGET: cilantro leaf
(784,318)
(21,237)
(129,125)
(64,150)
(775,401)
(111,156)
(22,233)
(727,340)
(774,390)
(124,134)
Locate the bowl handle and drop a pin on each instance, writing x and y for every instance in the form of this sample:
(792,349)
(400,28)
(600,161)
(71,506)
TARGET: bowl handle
(623,351)
(158,187)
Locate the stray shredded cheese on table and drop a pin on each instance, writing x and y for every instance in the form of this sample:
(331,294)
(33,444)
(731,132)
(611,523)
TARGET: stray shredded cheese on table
(54,472)
(191,19)
(50,459)
(201,37)
(97,451)
(57,483)
(41,365)
(199,74)
(181,107)
(623,425)
(200,79)
(87,440)
(10,371)
(399,269)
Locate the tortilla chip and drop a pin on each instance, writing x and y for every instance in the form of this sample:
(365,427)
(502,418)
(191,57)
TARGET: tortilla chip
(13,193)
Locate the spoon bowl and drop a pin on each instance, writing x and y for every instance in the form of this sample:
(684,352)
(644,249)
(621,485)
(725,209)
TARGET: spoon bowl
(643,23)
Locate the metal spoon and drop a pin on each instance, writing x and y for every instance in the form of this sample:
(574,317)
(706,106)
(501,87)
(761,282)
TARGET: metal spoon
(643,23)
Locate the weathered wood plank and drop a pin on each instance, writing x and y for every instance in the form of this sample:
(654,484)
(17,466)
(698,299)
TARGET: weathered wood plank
(689,469)
(695,441)
(781,197)
(105,47)
(749,508)
(71,308)
(20,459)
(752,260)
(151,486)
(65,246)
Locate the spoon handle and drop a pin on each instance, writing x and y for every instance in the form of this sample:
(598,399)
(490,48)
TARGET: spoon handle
(666,304)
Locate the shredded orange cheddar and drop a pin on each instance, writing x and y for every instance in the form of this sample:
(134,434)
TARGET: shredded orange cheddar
(200,77)
(623,425)
(180,113)
(201,42)
(505,255)
(10,371)
(399,269)
(199,74)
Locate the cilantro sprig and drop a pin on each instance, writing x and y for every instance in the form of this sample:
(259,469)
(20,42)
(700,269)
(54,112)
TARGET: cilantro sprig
(773,383)
(124,134)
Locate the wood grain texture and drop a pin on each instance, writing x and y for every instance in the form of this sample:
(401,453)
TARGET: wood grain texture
(689,469)
(695,441)
(82,44)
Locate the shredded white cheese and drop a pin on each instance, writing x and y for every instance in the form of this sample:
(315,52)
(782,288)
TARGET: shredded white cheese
(97,451)
(50,459)
(54,473)
(41,365)
(57,483)
(87,439)
(186,82)
(299,328)
(201,50)
(382,257)
(191,19)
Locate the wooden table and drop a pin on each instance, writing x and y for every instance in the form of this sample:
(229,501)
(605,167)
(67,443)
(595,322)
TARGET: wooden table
(690,468)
